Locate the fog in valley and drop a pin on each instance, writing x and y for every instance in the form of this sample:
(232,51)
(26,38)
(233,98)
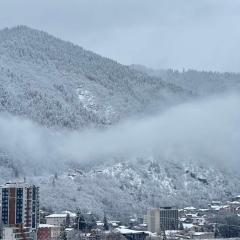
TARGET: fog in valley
(206,130)
(117,107)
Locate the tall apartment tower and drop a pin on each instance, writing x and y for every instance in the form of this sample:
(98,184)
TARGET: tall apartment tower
(160,219)
(19,205)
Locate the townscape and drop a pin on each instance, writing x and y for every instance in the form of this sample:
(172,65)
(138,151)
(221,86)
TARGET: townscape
(119,120)
(23,218)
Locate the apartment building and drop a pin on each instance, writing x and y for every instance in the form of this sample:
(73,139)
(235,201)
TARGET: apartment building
(19,233)
(19,209)
(164,218)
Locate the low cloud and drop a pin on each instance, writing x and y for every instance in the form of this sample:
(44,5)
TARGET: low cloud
(207,130)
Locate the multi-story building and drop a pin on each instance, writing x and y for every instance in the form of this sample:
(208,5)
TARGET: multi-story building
(48,232)
(59,219)
(160,219)
(13,233)
(19,207)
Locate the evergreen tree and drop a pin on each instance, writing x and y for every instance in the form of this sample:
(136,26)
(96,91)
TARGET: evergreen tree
(105,223)
(63,235)
(56,176)
(53,182)
(181,226)
(77,219)
(68,220)
(80,223)
(91,224)
(227,226)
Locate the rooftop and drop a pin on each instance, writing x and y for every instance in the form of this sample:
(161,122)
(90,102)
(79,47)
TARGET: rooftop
(61,215)
(15,185)
(189,208)
(128,231)
(47,226)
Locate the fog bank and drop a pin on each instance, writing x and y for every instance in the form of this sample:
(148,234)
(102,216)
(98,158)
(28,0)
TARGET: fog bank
(207,130)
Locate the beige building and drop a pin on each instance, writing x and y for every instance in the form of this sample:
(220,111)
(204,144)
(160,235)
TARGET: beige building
(56,219)
(14,233)
(159,219)
(59,219)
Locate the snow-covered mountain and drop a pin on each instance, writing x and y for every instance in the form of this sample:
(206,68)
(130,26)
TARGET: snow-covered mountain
(60,87)
(59,84)
(124,188)
(200,83)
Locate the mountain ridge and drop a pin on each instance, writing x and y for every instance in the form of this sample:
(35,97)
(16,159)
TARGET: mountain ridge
(75,75)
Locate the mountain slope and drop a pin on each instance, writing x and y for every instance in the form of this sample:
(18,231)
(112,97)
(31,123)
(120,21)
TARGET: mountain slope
(200,83)
(126,188)
(56,83)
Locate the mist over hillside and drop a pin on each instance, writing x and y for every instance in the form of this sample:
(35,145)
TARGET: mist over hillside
(201,83)
(151,138)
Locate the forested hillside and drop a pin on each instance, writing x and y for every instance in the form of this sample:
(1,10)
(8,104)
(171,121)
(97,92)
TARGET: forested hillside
(56,83)
(75,123)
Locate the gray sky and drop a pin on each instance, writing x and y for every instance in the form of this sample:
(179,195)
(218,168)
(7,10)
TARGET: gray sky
(199,34)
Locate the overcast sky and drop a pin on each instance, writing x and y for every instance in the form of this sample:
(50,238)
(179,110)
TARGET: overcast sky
(199,34)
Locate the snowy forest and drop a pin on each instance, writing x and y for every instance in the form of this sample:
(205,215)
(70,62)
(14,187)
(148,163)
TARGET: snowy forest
(113,138)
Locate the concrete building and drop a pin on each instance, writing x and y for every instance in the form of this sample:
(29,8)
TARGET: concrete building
(145,219)
(59,219)
(48,232)
(19,209)
(13,233)
(159,219)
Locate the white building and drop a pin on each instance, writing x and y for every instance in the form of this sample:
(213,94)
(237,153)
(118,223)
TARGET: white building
(59,219)
(11,233)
